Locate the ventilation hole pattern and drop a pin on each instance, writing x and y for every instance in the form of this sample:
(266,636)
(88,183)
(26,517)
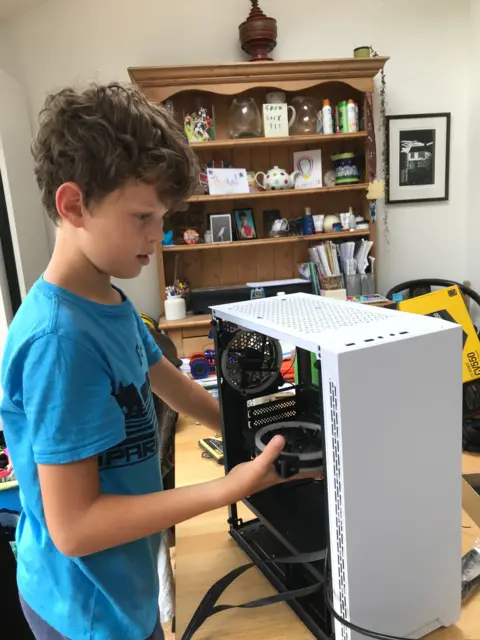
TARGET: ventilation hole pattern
(251,361)
(338,494)
(307,315)
(277,411)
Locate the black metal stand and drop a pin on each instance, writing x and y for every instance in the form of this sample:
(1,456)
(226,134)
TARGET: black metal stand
(291,518)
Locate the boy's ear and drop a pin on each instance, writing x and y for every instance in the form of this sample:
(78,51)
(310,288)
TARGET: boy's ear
(70,206)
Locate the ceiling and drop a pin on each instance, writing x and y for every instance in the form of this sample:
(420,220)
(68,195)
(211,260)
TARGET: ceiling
(11,8)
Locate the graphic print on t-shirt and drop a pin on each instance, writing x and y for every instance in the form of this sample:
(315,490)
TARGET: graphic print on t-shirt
(141,427)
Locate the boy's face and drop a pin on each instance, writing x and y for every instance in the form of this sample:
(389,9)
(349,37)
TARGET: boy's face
(120,234)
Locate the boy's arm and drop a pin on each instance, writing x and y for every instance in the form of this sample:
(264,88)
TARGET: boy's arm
(82,520)
(184,395)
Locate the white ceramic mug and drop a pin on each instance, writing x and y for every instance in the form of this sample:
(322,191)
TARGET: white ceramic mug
(276,97)
(280,97)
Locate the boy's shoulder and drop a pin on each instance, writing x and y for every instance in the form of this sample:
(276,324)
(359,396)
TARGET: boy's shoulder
(48,310)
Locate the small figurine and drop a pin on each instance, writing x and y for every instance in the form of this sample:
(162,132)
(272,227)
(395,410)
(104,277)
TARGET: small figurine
(191,236)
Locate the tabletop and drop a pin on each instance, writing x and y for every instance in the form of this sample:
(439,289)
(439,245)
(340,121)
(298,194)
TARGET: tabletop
(205,552)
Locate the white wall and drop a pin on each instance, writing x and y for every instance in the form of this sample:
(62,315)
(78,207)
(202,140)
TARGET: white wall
(473,214)
(8,59)
(65,41)
(25,213)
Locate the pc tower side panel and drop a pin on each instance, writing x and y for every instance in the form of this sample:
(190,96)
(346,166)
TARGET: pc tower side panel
(393,414)
(335,492)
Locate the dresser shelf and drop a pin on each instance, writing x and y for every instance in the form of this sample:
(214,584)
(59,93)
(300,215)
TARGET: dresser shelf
(246,244)
(284,193)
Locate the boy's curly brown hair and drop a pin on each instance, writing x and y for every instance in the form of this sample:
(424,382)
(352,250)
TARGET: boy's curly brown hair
(105,136)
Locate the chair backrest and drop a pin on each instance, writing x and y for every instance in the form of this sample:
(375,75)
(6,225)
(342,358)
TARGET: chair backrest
(471,389)
(429,283)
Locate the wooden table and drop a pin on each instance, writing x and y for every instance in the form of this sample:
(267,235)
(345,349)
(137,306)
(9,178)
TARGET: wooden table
(205,553)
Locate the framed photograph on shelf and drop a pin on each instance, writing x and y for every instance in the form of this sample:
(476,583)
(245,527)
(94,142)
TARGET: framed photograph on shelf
(269,217)
(418,158)
(221,227)
(244,224)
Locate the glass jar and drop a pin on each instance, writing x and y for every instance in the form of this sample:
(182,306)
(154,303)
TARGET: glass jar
(306,116)
(244,120)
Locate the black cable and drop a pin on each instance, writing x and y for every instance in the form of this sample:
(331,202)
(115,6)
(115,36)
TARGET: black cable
(346,623)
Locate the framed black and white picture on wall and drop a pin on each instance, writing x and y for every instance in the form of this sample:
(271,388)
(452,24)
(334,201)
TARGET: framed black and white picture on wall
(418,158)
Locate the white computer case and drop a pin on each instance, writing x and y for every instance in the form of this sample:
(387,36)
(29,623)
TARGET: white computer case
(392,389)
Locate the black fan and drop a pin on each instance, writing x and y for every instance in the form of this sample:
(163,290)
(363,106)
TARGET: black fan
(251,362)
(303,451)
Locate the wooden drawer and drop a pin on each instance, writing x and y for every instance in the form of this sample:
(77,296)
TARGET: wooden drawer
(186,343)
(194,345)
(195,332)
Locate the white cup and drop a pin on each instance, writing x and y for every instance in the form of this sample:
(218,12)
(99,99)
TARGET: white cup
(276,97)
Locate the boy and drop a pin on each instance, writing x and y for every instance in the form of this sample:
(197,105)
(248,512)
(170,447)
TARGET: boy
(246,231)
(77,373)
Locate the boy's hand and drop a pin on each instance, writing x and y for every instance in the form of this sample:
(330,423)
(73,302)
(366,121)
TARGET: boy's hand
(259,474)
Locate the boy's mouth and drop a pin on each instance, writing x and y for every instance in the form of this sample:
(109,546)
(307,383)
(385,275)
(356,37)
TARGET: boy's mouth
(144,259)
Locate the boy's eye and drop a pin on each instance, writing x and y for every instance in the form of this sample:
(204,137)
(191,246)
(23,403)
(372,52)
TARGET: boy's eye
(144,216)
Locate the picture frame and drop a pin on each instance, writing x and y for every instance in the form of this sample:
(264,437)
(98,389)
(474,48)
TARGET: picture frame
(245,224)
(221,227)
(308,166)
(269,217)
(418,156)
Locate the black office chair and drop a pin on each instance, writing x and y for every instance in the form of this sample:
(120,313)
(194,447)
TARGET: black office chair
(426,285)
(471,390)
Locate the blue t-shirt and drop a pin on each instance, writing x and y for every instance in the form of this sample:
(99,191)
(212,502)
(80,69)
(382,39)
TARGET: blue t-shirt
(75,384)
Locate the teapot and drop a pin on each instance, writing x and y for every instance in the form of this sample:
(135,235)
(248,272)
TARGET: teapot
(276,179)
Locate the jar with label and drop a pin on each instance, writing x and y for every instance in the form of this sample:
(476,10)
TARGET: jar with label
(352,117)
(307,222)
(343,116)
(327,117)
(346,170)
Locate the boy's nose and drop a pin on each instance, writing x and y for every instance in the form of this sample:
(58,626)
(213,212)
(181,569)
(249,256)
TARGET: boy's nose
(156,232)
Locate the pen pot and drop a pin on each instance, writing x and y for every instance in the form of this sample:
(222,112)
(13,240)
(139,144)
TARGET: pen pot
(331,283)
(175,308)
(354,285)
(368,284)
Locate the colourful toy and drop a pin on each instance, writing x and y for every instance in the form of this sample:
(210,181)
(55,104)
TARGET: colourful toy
(168,239)
(203,364)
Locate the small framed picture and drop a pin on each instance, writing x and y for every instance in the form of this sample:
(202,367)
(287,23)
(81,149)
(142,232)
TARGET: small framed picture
(418,158)
(269,217)
(244,224)
(221,227)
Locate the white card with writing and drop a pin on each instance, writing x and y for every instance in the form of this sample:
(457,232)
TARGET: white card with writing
(225,181)
(308,165)
(275,120)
